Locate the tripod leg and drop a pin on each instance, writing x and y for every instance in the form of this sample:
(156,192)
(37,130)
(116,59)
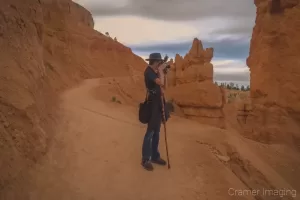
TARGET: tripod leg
(165,130)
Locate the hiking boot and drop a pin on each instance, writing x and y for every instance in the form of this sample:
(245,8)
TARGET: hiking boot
(147,165)
(159,161)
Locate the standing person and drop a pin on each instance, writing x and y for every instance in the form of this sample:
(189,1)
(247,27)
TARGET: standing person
(154,86)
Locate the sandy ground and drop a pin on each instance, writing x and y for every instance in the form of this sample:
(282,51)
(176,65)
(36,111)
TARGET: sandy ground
(97,153)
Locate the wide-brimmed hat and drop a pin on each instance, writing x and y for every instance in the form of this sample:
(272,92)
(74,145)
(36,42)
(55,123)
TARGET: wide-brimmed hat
(154,56)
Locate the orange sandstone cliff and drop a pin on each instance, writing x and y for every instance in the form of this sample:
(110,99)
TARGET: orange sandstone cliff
(46,46)
(274,64)
(191,86)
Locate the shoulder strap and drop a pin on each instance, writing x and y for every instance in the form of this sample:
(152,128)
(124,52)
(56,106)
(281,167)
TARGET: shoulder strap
(147,94)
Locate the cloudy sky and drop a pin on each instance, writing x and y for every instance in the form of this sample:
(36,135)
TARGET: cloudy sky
(169,26)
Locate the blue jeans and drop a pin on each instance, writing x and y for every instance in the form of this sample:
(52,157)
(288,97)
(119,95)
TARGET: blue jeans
(150,144)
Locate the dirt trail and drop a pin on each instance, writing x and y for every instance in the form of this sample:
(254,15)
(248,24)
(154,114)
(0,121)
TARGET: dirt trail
(97,153)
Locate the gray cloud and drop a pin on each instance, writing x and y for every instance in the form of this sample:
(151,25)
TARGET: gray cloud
(176,9)
(238,15)
(239,27)
(235,49)
(234,77)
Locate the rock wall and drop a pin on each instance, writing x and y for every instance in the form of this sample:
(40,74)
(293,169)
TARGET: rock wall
(191,86)
(275,71)
(46,46)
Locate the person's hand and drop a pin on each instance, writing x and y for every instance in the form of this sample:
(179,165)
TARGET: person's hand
(163,66)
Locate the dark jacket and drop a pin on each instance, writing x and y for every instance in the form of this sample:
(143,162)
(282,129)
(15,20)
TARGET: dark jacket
(154,98)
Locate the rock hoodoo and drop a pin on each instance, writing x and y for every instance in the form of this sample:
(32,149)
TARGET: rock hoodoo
(191,86)
(194,67)
(274,64)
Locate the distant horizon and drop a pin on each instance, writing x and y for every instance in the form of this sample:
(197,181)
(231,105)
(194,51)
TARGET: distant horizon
(239,83)
(145,27)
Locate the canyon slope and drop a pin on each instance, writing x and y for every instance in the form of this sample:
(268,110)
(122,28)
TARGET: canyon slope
(46,47)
